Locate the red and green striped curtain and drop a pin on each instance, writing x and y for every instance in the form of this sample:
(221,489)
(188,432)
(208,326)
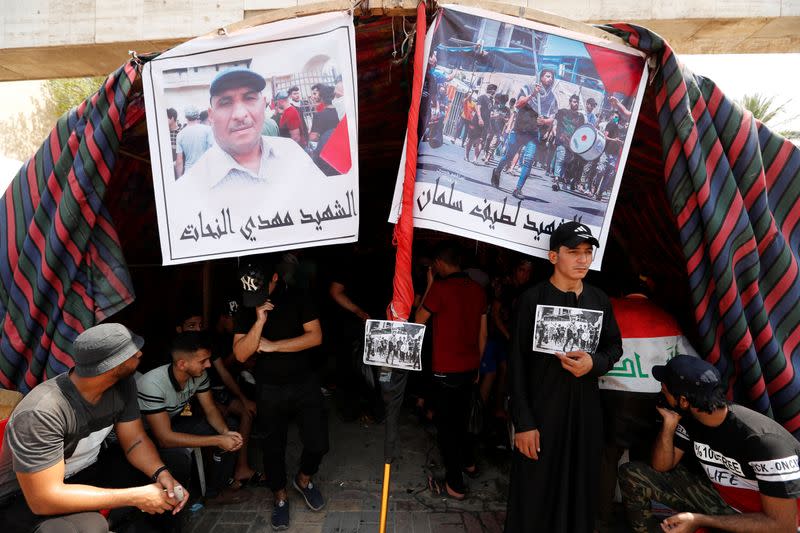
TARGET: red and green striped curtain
(61,266)
(734,189)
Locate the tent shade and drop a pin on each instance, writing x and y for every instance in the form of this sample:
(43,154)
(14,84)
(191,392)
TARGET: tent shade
(708,208)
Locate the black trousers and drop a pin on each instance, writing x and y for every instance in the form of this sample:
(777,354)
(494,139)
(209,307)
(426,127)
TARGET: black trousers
(179,460)
(277,405)
(112,470)
(452,397)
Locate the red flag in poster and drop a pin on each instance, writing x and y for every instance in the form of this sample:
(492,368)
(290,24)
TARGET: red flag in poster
(620,73)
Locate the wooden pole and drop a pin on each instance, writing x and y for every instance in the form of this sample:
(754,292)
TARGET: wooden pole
(387,469)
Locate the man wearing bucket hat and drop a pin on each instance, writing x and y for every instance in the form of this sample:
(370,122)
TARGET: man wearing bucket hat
(555,400)
(52,467)
(751,461)
(242,155)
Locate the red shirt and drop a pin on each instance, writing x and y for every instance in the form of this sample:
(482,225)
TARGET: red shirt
(457,304)
(291,120)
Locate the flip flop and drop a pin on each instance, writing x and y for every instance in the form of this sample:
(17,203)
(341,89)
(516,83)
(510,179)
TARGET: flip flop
(257,479)
(453,494)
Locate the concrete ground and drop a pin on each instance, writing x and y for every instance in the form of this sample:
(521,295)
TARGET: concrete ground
(351,480)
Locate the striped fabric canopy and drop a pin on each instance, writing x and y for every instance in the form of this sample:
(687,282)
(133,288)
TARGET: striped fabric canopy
(61,267)
(732,185)
(734,189)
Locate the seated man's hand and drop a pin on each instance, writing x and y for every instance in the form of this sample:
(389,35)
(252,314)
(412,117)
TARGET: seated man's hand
(680,523)
(153,499)
(230,441)
(577,363)
(527,442)
(169,484)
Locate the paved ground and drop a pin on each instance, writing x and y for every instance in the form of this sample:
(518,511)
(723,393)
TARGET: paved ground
(351,480)
(447,163)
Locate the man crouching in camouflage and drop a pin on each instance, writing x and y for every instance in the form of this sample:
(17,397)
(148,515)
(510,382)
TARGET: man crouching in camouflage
(751,461)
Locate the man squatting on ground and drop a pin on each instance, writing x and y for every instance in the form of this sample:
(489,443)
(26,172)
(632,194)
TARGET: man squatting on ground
(555,399)
(163,394)
(63,421)
(279,326)
(751,461)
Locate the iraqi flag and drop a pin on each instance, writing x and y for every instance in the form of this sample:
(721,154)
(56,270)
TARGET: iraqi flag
(650,336)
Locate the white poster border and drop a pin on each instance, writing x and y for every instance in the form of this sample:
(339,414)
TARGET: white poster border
(202,51)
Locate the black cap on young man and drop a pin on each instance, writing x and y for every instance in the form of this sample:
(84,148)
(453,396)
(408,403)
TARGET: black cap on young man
(571,234)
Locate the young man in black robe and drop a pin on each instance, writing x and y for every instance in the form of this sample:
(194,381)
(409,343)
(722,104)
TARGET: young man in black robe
(555,399)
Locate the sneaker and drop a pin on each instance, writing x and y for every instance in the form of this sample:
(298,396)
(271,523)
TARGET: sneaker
(311,495)
(518,194)
(280,515)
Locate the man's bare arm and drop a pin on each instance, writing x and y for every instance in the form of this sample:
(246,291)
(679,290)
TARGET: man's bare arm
(779,516)
(161,426)
(665,454)
(47,494)
(245,345)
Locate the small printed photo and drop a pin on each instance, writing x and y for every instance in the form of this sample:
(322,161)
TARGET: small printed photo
(393,344)
(566,329)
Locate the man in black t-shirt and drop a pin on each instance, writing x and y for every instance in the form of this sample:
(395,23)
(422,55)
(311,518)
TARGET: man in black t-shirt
(481,121)
(751,461)
(279,326)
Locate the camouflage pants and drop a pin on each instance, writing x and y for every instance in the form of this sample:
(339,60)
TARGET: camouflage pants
(678,489)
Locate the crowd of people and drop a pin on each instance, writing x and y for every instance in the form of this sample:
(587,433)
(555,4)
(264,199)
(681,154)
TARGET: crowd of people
(309,120)
(516,134)
(104,436)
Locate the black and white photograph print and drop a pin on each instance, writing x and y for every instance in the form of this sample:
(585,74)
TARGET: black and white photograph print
(393,344)
(566,329)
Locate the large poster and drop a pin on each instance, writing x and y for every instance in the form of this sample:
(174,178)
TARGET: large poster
(522,126)
(253,139)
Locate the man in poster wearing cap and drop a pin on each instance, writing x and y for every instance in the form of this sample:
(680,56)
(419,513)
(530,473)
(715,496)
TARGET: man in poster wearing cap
(555,400)
(52,467)
(751,461)
(191,142)
(279,326)
(242,156)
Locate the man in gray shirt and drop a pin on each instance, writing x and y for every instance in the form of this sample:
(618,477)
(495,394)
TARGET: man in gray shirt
(192,141)
(53,440)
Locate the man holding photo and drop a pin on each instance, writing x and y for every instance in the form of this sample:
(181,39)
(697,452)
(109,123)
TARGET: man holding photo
(555,400)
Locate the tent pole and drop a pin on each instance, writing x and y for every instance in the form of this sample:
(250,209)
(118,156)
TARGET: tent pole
(387,469)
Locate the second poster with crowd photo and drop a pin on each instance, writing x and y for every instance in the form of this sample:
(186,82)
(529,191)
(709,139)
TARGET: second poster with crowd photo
(522,126)
(253,140)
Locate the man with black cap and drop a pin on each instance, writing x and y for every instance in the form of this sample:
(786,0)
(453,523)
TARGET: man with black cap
(751,461)
(52,467)
(555,400)
(279,326)
(242,155)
